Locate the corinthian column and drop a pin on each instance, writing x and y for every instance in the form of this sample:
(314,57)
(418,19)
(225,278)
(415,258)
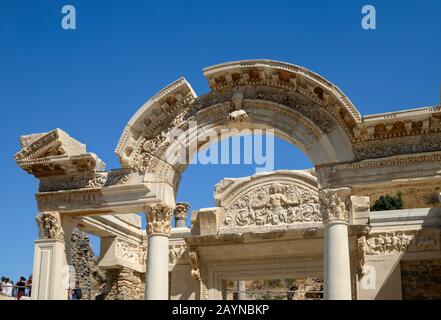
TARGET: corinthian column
(158,232)
(337,271)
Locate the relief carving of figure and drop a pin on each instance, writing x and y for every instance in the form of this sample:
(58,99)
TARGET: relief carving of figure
(401,241)
(238,114)
(274,204)
(49,226)
(333,204)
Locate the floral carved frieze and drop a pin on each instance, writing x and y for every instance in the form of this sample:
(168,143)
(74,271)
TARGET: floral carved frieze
(96,180)
(428,142)
(400,241)
(130,251)
(295,101)
(274,204)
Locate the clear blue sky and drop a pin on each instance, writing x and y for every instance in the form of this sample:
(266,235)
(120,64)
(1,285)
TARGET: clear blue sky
(91,80)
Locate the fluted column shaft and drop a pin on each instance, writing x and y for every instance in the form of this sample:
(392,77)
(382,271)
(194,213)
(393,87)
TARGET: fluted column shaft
(158,232)
(337,271)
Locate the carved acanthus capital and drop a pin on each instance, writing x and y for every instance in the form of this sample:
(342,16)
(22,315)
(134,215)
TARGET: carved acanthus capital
(158,219)
(181,210)
(49,225)
(334,204)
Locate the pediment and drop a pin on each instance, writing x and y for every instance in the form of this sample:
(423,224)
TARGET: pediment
(277,198)
(49,144)
(55,153)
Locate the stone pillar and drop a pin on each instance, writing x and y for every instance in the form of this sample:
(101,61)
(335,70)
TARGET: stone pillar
(337,272)
(158,232)
(50,270)
(180,213)
(241,295)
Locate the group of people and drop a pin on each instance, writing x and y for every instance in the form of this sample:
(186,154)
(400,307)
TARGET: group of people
(17,290)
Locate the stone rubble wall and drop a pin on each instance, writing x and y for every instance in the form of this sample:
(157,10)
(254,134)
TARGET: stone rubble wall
(124,284)
(421,279)
(110,284)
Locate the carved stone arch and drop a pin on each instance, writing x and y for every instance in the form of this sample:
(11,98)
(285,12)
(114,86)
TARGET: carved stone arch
(302,108)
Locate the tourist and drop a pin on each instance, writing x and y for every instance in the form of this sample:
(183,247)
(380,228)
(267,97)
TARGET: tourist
(77,294)
(2,284)
(29,285)
(7,288)
(21,287)
(14,289)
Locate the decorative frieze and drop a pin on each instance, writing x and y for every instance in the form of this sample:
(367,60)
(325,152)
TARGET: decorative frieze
(400,241)
(130,252)
(95,180)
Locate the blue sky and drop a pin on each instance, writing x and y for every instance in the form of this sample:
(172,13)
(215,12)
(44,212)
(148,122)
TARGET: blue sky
(91,80)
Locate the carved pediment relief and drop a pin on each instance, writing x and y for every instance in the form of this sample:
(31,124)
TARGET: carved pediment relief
(273,199)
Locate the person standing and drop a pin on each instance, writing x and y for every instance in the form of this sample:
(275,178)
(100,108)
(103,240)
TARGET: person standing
(14,290)
(8,288)
(77,294)
(29,285)
(2,285)
(21,287)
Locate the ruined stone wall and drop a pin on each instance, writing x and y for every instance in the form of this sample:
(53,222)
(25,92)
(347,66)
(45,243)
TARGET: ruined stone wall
(124,284)
(87,273)
(421,279)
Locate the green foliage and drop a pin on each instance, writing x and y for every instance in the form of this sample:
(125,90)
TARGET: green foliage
(388,202)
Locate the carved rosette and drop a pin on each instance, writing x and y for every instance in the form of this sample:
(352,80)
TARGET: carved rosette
(334,204)
(158,219)
(181,210)
(49,225)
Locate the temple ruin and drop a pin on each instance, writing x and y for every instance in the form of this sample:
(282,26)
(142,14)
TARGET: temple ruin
(286,224)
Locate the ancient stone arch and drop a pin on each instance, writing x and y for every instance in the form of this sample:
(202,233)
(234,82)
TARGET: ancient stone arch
(354,157)
(302,107)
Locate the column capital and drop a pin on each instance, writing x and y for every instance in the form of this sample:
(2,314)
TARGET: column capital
(180,213)
(334,204)
(158,219)
(49,225)
(181,210)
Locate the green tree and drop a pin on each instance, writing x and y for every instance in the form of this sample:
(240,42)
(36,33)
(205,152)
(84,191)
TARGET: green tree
(388,202)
